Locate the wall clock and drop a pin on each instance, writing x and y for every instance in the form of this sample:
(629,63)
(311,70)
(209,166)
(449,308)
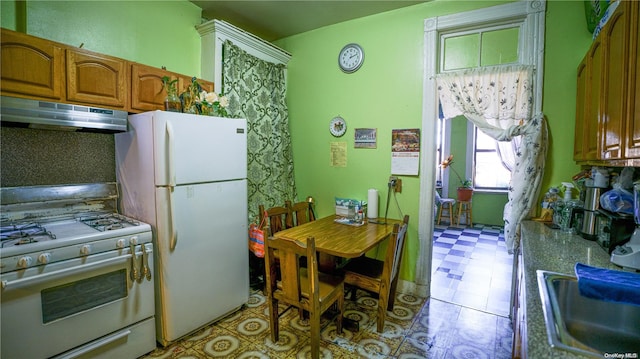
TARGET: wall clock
(351,58)
(337,126)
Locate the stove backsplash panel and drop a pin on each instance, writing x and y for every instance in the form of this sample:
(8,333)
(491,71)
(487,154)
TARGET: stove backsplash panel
(31,157)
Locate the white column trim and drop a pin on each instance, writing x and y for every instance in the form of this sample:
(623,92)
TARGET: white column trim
(214,33)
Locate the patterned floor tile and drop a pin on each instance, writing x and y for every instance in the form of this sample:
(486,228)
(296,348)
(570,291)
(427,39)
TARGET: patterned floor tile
(466,317)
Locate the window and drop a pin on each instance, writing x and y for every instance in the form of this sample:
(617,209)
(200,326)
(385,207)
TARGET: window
(490,172)
(483,46)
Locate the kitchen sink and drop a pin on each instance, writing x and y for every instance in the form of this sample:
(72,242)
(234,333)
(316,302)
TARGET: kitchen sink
(583,325)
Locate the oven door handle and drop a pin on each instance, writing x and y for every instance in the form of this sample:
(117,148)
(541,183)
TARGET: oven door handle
(7,285)
(95,345)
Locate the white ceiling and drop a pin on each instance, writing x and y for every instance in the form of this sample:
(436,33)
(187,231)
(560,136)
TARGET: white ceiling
(273,20)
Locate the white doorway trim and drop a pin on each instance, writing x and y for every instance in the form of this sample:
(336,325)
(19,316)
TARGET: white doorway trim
(532,16)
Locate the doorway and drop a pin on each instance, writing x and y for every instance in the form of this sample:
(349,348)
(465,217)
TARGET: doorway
(528,18)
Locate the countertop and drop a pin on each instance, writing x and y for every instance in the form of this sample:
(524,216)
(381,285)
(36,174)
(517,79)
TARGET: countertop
(552,250)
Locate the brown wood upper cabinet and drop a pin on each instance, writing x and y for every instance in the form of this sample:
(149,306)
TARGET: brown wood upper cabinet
(147,92)
(607,113)
(41,69)
(96,79)
(32,67)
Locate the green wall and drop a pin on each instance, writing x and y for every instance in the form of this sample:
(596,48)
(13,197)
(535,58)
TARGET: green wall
(566,42)
(159,33)
(386,93)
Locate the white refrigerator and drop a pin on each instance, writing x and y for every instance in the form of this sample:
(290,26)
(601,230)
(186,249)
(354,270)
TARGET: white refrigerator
(186,176)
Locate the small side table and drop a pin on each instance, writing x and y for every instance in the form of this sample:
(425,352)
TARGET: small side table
(464,209)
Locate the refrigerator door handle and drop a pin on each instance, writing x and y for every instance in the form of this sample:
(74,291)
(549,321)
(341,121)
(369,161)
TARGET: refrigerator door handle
(174,234)
(172,184)
(171,173)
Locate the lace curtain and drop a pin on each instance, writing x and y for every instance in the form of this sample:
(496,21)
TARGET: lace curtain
(256,90)
(498,100)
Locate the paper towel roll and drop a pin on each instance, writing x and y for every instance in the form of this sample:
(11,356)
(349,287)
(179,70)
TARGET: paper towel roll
(372,204)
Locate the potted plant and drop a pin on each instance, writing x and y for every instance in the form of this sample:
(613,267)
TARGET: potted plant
(172,101)
(465,190)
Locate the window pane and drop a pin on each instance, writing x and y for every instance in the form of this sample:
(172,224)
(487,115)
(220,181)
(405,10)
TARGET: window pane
(484,141)
(461,52)
(499,47)
(490,173)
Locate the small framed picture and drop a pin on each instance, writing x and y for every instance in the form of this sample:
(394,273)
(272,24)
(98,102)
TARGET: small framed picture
(365,138)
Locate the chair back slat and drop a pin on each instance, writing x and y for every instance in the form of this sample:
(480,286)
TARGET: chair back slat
(277,218)
(398,250)
(301,213)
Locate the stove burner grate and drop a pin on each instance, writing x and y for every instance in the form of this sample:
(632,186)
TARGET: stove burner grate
(21,234)
(108,221)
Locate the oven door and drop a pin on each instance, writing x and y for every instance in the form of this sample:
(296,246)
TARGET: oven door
(54,308)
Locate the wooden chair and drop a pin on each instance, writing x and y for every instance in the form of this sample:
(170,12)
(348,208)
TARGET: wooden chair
(304,288)
(377,276)
(301,213)
(275,221)
(278,218)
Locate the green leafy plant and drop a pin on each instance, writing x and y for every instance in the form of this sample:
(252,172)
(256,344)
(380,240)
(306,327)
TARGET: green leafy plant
(169,85)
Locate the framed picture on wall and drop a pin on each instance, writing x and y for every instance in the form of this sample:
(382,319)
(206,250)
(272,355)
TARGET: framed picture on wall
(365,138)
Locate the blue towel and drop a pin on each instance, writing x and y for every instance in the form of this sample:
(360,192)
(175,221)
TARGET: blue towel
(608,285)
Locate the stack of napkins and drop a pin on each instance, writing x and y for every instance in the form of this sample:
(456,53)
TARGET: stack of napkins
(608,285)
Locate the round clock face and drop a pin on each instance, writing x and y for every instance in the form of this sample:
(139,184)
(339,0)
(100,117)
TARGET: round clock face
(337,127)
(351,58)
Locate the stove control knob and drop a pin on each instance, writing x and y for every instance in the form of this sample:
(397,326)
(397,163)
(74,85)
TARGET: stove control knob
(134,240)
(44,258)
(121,243)
(85,250)
(24,262)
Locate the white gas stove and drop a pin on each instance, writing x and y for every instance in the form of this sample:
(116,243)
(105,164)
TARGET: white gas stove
(71,264)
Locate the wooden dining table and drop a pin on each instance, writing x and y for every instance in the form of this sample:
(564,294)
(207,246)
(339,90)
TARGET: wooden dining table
(340,240)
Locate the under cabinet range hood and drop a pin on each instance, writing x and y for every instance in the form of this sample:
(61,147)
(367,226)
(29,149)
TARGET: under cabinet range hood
(60,116)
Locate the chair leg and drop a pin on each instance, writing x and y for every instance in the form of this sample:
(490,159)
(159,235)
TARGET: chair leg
(440,213)
(392,294)
(382,311)
(451,219)
(273,320)
(340,303)
(314,324)
(353,293)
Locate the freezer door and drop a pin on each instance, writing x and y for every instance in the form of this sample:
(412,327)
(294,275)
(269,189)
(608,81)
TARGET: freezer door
(196,149)
(202,247)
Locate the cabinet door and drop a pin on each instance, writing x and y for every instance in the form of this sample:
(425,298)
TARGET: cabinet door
(31,67)
(582,104)
(632,130)
(594,64)
(147,92)
(96,79)
(615,57)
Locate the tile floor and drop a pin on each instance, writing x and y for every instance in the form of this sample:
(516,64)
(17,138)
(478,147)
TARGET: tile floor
(416,329)
(469,269)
